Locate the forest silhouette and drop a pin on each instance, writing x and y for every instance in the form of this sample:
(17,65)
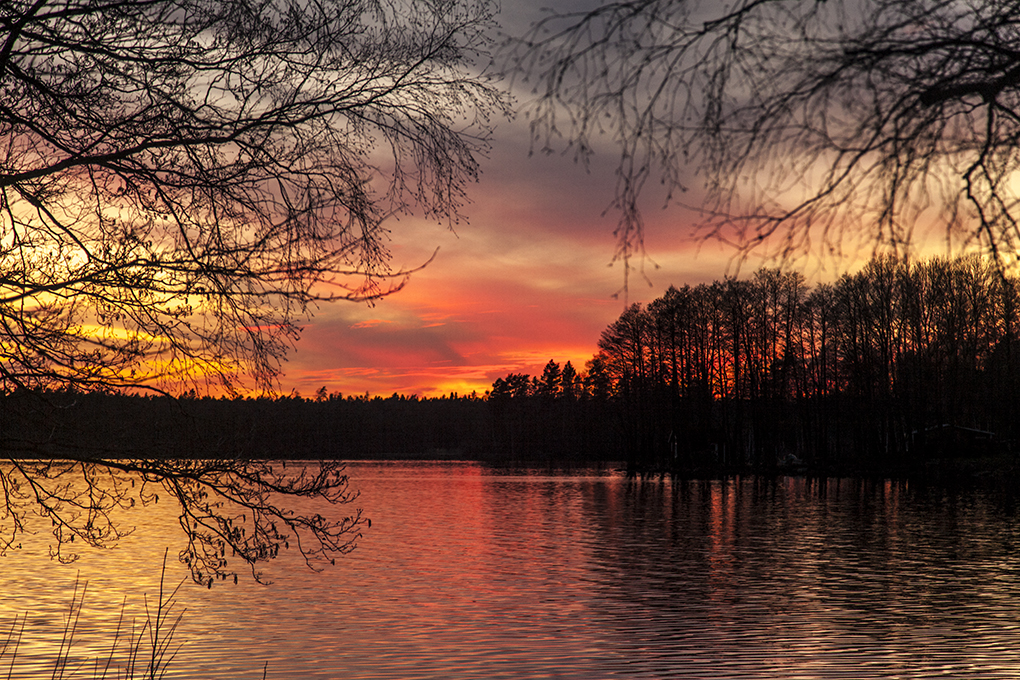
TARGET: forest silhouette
(891,368)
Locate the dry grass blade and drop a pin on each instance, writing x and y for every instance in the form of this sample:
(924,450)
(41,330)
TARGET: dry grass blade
(145,654)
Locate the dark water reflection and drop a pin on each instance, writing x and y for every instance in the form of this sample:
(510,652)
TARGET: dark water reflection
(756,578)
(469,572)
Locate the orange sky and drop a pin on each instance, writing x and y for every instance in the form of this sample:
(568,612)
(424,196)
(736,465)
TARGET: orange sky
(525,281)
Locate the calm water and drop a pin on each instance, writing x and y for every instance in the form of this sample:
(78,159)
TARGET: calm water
(470,572)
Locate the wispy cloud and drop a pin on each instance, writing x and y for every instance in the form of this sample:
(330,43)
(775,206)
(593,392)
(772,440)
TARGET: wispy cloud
(371,323)
(526,280)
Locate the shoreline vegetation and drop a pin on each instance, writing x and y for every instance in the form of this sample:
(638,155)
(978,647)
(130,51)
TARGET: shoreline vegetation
(142,652)
(904,369)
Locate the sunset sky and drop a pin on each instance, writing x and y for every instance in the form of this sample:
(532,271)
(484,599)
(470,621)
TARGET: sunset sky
(526,280)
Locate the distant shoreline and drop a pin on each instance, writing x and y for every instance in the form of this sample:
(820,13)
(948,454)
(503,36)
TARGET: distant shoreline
(532,432)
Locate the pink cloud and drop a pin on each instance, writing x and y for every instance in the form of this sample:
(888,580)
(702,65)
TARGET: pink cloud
(371,323)
(526,280)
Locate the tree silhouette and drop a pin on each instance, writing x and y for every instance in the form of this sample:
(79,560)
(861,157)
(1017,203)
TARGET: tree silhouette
(228,509)
(813,124)
(180,182)
(181,179)
(570,382)
(873,369)
(549,384)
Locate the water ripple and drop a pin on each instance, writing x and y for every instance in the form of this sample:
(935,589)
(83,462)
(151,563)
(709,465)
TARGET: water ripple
(470,572)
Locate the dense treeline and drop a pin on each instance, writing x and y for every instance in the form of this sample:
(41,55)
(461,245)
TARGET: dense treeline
(531,425)
(560,414)
(327,426)
(888,366)
(893,366)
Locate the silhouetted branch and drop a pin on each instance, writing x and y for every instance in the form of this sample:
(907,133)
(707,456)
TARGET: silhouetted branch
(181,179)
(811,126)
(227,509)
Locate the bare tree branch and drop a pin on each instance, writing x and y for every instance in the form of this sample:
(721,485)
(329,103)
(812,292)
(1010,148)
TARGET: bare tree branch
(181,179)
(803,126)
(229,510)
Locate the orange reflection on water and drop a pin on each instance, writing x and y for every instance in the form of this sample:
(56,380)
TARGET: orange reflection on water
(473,573)
(720,532)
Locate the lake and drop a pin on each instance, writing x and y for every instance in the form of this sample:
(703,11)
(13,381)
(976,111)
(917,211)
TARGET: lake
(470,571)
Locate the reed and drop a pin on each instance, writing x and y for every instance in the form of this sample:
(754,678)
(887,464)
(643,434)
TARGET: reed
(143,653)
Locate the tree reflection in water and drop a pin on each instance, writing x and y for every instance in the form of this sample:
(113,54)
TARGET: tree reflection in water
(227,508)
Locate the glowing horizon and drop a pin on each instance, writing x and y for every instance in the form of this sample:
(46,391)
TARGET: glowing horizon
(528,280)
(525,281)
